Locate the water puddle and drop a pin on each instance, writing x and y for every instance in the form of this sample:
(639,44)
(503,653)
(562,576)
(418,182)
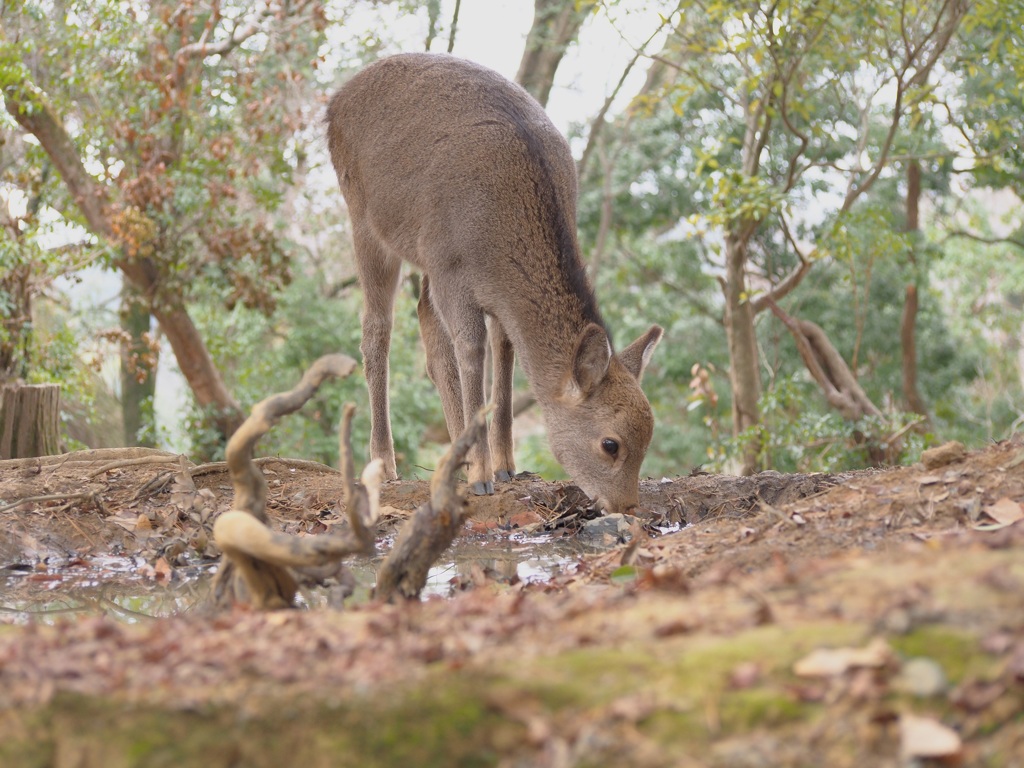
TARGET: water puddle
(130,589)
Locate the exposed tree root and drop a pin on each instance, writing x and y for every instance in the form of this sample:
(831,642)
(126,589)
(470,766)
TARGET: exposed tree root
(220,466)
(254,569)
(256,562)
(137,462)
(433,526)
(91,456)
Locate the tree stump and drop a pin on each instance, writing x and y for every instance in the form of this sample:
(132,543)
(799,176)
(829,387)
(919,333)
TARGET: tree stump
(29,421)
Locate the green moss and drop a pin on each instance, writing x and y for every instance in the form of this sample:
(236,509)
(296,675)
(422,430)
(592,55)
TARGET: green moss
(954,650)
(759,707)
(687,677)
(430,725)
(461,718)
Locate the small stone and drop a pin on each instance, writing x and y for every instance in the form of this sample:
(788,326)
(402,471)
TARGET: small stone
(608,525)
(921,677)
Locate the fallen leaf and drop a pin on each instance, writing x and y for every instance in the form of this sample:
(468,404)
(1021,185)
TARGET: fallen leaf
(926,737)
(929,479)
(675,627)
(977,695)
(830,662)
(525,518)
(1014,462)
(745,675)
(634,708)
(1005,511)
(162,570)
(623,575)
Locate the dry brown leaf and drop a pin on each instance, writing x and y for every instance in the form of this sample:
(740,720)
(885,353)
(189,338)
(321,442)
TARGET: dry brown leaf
(829,662)
(1005,511)
(745,675)
(635,707)
(162,570)
(1014,462)
(926,737)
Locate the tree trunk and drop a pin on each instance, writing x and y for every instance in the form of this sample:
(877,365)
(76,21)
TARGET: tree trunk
(15,323)
(912,399)
(29,107)
(138,370)
(29,421)
(556,25)
(744,374)
(198,369)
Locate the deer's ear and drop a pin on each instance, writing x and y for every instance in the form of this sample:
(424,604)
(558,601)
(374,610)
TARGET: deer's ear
(636,356)
(591,359)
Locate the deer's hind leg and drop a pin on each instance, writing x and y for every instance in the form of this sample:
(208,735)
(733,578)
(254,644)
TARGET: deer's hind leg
(500,433)
(467,333)
(378,276)
(442,367)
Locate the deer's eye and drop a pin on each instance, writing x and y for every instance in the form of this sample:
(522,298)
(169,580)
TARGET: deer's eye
(611,447)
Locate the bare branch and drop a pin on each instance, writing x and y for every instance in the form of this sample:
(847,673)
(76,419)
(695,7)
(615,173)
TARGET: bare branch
(201,49)
(598,123)
(250,487)
(791,281)
(254,568)
(941,33)
(455,26)
(31,108)
(982,239)
(827,367)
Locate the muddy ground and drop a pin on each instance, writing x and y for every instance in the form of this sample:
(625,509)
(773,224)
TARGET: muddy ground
(870,618)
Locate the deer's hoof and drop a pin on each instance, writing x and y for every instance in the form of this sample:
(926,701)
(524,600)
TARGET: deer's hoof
(481,488)
(504,476)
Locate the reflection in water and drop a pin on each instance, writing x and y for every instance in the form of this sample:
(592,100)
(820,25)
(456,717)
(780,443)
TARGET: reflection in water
(130,590)
(126,588)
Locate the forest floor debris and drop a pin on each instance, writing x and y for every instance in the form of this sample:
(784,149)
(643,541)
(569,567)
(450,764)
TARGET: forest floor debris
(874,617)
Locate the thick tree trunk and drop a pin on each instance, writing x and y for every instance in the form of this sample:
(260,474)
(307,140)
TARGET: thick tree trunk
(556,24)
(29,421)
(744,374)
(912,399)
(138,371)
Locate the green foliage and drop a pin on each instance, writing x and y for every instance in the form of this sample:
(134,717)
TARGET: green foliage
(799,433)
(261,356)
(779,122)
(643,287)
(776,125)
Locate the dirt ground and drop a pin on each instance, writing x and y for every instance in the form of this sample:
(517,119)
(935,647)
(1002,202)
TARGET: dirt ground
(870,618)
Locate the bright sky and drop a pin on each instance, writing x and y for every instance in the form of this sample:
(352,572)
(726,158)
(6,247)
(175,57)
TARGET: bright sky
(493,33)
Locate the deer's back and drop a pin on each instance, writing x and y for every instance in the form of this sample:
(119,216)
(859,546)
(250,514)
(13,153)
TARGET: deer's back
(450,166)
(432,146)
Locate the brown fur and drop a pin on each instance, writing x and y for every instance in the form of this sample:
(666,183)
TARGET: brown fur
(447,165)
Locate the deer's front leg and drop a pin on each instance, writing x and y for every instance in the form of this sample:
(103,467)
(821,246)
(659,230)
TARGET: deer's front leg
(378,276)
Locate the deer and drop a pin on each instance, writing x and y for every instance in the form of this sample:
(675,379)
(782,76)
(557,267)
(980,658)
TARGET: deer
(449,166)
